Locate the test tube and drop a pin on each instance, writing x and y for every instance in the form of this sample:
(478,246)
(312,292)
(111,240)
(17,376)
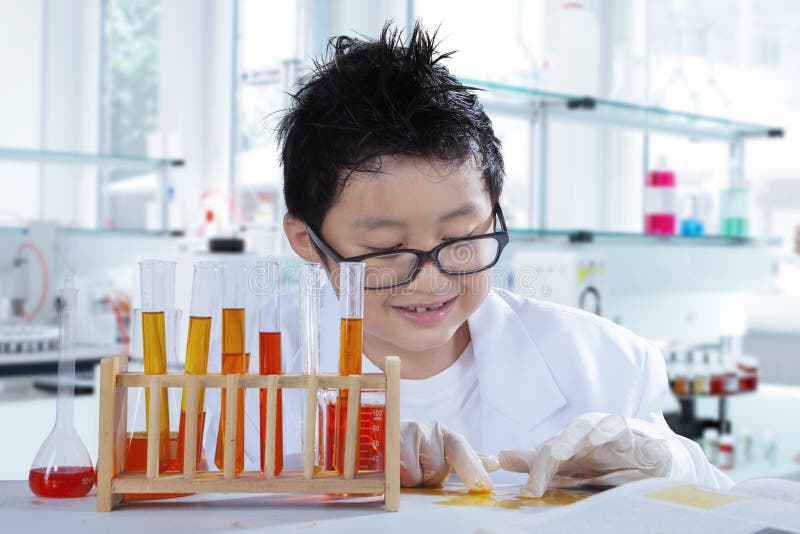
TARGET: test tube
(157,280)
(234,359)
(206,280)
(269,350)
(311,280)
(351,308)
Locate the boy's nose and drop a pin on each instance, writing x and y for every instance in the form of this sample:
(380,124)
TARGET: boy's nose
(430,280)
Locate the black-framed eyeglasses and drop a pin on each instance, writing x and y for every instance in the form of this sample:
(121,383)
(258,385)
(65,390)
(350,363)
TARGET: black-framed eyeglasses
(466,255)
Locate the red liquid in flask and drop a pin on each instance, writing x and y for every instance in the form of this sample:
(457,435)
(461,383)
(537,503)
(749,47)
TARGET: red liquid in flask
(61,481)
(371,437)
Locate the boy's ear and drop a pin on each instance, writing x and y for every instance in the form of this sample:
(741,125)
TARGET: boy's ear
(297,234)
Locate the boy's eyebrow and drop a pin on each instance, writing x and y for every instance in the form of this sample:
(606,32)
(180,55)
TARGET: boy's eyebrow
(467,209)
(374,223)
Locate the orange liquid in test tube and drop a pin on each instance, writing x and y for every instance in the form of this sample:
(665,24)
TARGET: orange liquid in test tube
(234,361)
(269,362)
(349,364)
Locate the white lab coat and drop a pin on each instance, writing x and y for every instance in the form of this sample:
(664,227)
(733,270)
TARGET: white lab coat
(539,365)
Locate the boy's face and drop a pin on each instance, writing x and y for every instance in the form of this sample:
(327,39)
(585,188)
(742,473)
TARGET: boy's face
(413,203)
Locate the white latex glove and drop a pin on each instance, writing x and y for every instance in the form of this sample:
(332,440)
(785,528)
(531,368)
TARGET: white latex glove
(428,451)
(585,452)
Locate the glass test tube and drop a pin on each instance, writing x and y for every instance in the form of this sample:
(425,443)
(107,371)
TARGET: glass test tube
(206,281)
(311,281)
(351,307)
(234,358)
(269,350)
(157,280)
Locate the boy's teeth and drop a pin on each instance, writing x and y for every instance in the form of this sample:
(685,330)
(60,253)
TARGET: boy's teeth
(420,310)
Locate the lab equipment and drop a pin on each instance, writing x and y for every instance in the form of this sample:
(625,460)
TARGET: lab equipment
(729,353)
(113,480)
(680,375)
(234,358)
(371,433)
(158,297)
(711,444)
(570,277)
(692,224)
(269,351)
(18,338)
(311,283)
(747,367)
(659,201)
(14,288)
(700,385)
(717,385)
(63,467)
(594,448)
(727,452)
(733,212)
(745,438)
(136,434)
(206,281)
(429,452)
(351,308)
(769,447)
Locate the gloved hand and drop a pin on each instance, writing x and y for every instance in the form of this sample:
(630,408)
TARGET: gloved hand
(428,452)
(585,452)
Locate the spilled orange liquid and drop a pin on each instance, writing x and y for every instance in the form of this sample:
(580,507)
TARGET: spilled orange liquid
(500,498)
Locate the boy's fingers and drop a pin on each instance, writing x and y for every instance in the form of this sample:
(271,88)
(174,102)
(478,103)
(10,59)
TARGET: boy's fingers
(433,457)
(517,461)
(489,461)
(410,468)
(544,469)
(609,429)
(422,461)
(466,463)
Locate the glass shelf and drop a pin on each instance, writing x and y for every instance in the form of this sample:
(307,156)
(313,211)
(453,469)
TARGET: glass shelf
(111,232)
(588,236)
(627,114)
(79,158)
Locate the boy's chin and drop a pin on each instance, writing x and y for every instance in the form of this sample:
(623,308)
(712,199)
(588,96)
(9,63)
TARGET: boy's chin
(420,340)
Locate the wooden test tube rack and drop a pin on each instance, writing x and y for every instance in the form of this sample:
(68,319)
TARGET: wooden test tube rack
(113,481)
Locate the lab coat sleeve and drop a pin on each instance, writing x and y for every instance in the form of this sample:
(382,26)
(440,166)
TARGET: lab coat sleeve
(688,461)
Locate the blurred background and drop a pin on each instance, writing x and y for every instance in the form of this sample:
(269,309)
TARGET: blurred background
(649,149)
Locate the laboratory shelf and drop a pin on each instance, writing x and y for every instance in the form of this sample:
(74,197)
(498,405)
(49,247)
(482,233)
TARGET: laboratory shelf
(82,352)
(81,158)
(590,236)
(716,395)
(620,113)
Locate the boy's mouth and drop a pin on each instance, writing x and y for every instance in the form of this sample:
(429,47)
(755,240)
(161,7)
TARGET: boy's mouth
(426,313)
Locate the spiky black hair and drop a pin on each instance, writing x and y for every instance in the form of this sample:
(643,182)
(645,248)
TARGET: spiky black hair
(372,98)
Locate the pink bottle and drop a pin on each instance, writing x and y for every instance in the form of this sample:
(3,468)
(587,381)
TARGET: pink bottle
(659,201)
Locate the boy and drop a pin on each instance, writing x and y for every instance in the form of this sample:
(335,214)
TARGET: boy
(389,160)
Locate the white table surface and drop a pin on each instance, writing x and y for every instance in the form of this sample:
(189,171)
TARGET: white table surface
(21,511)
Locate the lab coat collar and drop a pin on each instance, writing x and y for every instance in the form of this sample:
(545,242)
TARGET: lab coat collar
(517,389)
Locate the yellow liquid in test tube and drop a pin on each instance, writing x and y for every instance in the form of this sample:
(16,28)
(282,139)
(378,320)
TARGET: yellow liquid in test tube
(155,363)
(197,354)
(196,364)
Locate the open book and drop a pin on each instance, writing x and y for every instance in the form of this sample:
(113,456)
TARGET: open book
(656,505)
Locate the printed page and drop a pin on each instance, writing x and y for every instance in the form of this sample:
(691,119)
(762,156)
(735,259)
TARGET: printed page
(663,506)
